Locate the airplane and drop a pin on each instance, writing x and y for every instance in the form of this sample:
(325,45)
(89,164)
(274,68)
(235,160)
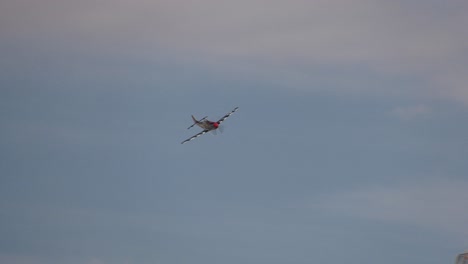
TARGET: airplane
(207,125)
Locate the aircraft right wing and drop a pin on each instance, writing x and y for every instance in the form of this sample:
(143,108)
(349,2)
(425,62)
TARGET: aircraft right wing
(195,136)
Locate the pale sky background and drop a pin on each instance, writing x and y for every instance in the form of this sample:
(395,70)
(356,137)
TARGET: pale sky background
(350,144)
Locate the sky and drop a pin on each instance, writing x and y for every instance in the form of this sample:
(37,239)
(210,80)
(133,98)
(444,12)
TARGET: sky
(350,142)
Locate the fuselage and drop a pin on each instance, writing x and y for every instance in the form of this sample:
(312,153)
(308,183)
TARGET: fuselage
(207,125)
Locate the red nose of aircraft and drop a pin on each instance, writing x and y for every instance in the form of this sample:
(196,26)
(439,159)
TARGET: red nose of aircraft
(215,124)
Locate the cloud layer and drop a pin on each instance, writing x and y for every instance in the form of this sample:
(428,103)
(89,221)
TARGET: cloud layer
(425,40)
(435,204)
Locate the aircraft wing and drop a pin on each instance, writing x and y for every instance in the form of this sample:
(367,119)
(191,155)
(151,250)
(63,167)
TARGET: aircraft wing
(227,115)
(195,136)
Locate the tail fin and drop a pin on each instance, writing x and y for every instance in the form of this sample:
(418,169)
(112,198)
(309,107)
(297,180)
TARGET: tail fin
(195,121)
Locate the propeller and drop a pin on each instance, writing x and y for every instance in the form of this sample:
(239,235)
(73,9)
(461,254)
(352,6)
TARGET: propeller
(220,129)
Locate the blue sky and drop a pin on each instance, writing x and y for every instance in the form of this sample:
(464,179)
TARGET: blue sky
(350,142)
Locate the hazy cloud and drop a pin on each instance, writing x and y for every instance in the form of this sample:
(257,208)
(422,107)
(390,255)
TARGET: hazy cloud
(17,259)
(410,112)
(95,261)
(436,204)
(267,39)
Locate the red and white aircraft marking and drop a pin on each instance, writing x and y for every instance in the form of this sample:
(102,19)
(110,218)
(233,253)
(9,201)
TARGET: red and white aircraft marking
(207,125)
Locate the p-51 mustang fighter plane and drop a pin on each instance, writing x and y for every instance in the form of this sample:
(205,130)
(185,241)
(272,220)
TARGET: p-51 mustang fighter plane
(207,125)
